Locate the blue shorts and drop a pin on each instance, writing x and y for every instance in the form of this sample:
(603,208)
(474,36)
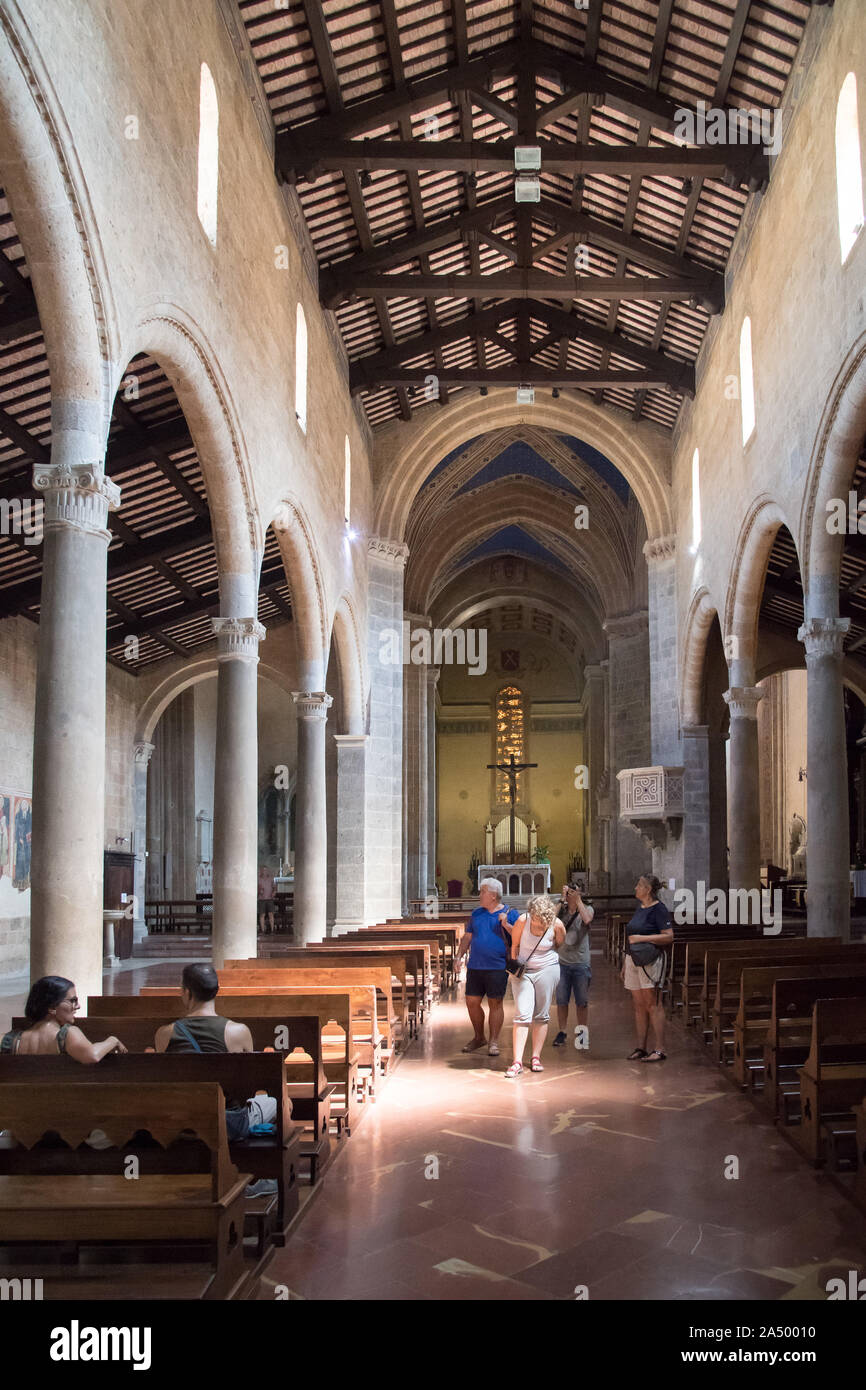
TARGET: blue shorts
(573,979)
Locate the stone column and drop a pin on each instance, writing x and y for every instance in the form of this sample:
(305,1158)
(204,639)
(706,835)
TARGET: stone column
(415,788)
(828,845)
(744,807)
(311,824)
(236,776)
(696,864)
(665,746)
(629,692)
(68,823)
(351,798)
(386,561)
(432,679)
(594,700)
(142,755)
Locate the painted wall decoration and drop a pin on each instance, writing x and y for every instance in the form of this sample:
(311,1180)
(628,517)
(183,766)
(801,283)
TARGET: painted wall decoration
(21,828)
(5,834)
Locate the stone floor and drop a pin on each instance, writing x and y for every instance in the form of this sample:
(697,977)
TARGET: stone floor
(600,1174)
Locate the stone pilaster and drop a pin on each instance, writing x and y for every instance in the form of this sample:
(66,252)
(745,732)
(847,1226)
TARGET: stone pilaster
(352,752)
(744,809)
(696,864)
(415,783)
(235,841)
(311,826)
(828,845)
(142,754)
(629,734)
(662,624)
(66,933)
(595,699)
(386,560)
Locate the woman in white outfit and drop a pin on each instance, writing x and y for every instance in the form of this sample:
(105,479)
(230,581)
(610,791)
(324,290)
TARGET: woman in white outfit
(534,941)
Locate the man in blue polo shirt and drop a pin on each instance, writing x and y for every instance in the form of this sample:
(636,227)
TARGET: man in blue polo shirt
(485,941)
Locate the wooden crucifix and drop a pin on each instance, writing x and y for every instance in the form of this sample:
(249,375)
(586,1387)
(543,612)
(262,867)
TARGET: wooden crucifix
(511,768)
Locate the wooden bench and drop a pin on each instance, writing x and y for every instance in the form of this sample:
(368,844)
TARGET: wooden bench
(240,1074)
(305,975)
(687,964)
(789,1033)
(448,935)
(729,971)
(833,1078)
(440,943)
(310,1092)
(354,958)
(763,951)
(860,1133)
(757,1028)
(411,969)
(201,1203)
(334,1012)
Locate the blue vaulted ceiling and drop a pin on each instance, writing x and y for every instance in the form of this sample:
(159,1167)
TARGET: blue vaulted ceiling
(513,540)
(519,457)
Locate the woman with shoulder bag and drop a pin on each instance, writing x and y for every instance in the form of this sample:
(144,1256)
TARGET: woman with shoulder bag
(534,971)
(643,969)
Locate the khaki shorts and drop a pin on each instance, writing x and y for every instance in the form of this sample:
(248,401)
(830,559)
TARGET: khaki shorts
(642,976)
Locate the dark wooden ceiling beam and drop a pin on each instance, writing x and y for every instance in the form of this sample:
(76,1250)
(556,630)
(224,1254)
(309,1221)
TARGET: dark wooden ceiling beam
(531,373)
(492,106)
(537,284)
(18,435)
(743,163)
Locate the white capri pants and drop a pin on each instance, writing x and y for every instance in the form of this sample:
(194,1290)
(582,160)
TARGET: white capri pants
(533,994)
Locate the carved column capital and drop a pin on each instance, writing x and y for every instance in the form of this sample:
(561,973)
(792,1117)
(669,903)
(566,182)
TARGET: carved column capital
(659,549)
(391,552)
(743,701)
(627,624)
(312,704)
(238,638)
(142,753)
(77,495)
(824,637)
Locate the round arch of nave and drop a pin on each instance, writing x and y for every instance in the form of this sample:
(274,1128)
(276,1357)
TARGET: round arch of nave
(838,445)
(460,602)
(54,219)
(746,583)
(191,673)
(533,503)
(346,641)
(167,333)
(407,454)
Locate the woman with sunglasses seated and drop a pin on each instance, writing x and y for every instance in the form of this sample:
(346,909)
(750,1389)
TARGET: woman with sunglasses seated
(51,1007)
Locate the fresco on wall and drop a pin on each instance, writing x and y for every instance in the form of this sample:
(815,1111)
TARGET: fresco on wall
(22,821)
(5,835)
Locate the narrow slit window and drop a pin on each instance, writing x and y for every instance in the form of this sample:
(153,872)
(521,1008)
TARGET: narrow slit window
(301,369)
(696,500)
(747,380)
(347,484)
(849,171)
(208,154)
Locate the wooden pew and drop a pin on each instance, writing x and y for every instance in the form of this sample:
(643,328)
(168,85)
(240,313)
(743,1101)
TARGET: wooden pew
(442,943)
(751,952)
(334,1012)
(306,975)
(204,1206)
(860,1131)
(833,1079)
(240,1074)
(789,1033)
(448,933)
(353,957)
(428,942)
(414,974)
(685,964)
(308,1088)
(729,970)
(755,1024)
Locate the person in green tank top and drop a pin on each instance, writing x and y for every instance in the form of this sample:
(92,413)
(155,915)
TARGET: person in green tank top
(202,1029)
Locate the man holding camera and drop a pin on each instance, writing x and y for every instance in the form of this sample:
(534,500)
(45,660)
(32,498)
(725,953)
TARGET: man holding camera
(575,971)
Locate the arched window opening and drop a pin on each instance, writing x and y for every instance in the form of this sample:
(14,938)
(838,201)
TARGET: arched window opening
(208,154)
(696,500)
(510,735)
(849,170)
(747,381)
(301,369)
(347,485)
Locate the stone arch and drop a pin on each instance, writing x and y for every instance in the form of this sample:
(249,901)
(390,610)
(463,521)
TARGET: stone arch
(461,613)
(409,452)
(746,583)
(55,221)
(300,561)
(201,669)
(167,333)
(838,443)
(350,659)
(699,621)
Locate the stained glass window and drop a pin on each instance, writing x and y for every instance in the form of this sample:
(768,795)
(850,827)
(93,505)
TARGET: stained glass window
(510,735)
